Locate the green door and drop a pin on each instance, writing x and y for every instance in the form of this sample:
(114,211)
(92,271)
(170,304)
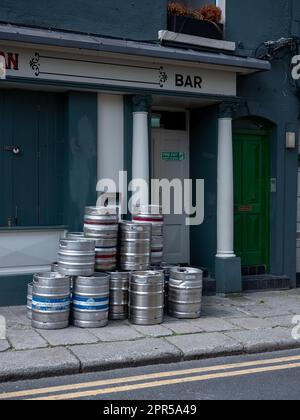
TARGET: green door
(252,177)
(31,158)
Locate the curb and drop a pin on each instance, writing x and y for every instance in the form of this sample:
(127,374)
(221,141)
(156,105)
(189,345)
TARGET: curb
(75,366)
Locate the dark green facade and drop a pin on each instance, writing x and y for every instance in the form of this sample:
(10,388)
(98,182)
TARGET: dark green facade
(134,19)
(269,101)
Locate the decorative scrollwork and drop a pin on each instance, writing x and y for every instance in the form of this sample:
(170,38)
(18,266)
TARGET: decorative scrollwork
(163,77)
(35,64)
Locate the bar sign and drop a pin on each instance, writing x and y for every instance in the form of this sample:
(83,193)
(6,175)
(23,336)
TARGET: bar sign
(173,156)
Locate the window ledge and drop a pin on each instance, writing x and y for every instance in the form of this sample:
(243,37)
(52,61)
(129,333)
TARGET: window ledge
(178,38)
(32,228)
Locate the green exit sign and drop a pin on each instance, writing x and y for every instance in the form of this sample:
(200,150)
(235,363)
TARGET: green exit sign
(173,156)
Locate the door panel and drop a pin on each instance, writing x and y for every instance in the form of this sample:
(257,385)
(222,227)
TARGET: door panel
(25,165)
(176,239)
(251,166)
(51,159)
(31,187)
(6,162)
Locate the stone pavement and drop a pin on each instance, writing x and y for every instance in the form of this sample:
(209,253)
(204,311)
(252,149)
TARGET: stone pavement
(252,323)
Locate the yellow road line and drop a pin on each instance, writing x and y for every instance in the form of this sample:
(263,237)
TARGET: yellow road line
(176,381)
(116,381)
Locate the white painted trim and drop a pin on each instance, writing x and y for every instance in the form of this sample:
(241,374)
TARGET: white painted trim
(17,271)
(196,40)
(110,154)
(222,5)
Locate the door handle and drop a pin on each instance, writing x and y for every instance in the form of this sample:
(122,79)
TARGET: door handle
(15,150)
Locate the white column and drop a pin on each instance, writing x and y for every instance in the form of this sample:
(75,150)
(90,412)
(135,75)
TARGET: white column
(110,155)
(225,209)
(140,144)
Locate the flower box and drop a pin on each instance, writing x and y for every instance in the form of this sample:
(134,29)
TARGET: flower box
(191,26)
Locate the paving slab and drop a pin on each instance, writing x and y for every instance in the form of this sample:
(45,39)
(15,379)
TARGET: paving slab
(178,326)
(265,340)
(117,331)
(264,311)
(154,330)
(206,344)
(255,323)
(239,301)
(26,340)
(16,321)
(221,312)
(17,365)
(4,345)
(68,337)
(214,324)
(106,356)
(281,321)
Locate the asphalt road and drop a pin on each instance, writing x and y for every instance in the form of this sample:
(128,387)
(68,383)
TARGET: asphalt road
(272,376)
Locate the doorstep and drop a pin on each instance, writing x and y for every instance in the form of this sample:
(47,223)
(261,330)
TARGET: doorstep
(256,322)
(265,282)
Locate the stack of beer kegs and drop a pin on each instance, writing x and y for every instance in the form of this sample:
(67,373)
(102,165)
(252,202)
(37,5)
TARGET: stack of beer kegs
(135,246)
(101,224)
(154,216)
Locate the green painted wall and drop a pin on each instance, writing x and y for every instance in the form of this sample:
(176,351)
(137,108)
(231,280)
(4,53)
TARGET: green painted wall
(13,290)
(116,18)
(273,96)
(81,157)
(204,151)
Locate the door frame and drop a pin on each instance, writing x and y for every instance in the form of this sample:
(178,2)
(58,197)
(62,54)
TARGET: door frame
(267,134)
(187,134)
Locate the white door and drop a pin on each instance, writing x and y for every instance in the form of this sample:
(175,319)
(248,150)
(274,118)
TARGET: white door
(171,158)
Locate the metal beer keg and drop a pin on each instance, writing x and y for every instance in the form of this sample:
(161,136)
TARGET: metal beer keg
(135,246)
(90,301)
(185,293)
(146,298)
(101,223)
(154,216)
(50,301)
(118,297)
(76,257)
(29,300)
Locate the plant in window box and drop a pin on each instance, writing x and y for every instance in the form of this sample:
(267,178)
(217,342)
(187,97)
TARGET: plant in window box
(204,21)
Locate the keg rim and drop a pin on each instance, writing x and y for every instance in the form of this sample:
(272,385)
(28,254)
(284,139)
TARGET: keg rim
(78,234)
(102,211)
(95,275)
(146,274)
(49,275)
(144,209)
(137,226)
(186,270)
(83,240)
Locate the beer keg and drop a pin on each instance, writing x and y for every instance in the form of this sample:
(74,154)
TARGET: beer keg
(185,293)
(146,298)
(50,301)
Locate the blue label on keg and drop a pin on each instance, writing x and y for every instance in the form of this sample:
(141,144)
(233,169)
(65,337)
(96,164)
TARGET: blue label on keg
(49,305)
(90,304)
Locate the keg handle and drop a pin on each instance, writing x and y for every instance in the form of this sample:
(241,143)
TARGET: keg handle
(182,270)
